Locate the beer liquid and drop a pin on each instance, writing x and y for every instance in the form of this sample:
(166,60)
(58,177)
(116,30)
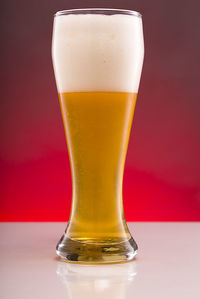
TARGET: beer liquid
(97,127)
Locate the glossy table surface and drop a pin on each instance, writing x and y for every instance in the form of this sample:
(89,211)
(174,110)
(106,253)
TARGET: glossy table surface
(167,265)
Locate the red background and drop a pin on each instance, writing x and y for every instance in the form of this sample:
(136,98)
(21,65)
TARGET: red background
(161,180)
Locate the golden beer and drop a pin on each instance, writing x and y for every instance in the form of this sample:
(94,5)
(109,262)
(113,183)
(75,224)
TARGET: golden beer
(97,62)
(97,126)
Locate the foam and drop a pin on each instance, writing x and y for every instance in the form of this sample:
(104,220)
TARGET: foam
(95,52)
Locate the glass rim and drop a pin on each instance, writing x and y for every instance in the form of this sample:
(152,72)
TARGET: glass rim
(106,11)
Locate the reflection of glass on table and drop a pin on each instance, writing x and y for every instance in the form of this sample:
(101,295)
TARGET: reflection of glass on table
(96,282)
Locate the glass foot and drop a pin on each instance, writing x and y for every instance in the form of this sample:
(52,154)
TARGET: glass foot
(94,253)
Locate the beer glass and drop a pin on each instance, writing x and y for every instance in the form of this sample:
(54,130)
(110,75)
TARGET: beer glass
(97,58)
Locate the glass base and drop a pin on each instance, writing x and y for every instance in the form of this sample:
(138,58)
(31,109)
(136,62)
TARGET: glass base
(96,253)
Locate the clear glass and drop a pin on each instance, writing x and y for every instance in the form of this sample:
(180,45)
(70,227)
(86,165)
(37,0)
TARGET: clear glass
(97,57)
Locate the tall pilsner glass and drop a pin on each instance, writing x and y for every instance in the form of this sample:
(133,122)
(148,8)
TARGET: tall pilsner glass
(97,58)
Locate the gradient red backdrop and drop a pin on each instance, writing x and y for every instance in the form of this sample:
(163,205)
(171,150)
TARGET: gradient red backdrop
(161,180)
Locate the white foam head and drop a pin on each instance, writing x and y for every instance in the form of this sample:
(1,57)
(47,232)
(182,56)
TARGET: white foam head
(93,52)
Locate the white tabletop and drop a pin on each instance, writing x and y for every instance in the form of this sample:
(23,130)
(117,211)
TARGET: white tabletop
(167,265)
